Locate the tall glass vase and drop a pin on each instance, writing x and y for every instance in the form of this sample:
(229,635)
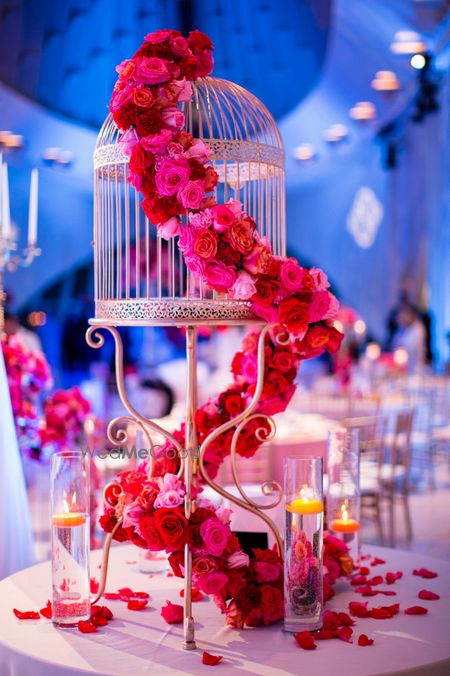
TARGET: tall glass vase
(303,544)
(343,494)
(69,495)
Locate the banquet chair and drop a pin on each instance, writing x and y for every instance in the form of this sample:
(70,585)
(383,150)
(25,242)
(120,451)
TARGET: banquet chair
(389,482)
(372,431)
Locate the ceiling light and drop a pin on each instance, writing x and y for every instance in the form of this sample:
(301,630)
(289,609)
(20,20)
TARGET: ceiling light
(407,42)
(363,111)
(385,81)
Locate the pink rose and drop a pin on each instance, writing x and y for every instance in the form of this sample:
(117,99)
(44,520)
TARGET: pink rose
(334,307)
(120,95)
(235,206)
(196,265)
(258,260)
(202,219)
(172,613)
(179,46)
(267,572)
(244,286)
(186,242)
(215,535)
(199,151)
(173,117)
(238,560)
(174,150)
(224,515)
(319,306)
(192,194)
(132,514)
(151,70)
(211,582)
(168,499)
(269,314)
(128,141)
(319,278)
(291,275)
(220,277)
(172,175)
(223,217)
(157,143)
(181,89)
(170,228)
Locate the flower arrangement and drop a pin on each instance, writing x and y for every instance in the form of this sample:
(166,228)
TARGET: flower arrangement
(222,247)
(64,414)
(28,375)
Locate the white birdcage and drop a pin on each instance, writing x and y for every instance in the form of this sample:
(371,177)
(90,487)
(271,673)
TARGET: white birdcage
(141,278)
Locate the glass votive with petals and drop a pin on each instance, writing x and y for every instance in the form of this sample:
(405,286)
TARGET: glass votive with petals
(303,544)
(343,494)
(69,495)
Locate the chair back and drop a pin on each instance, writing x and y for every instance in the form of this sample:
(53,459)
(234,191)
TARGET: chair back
(372,431)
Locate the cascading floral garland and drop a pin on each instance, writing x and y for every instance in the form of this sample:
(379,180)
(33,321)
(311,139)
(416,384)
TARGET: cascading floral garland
(221,246)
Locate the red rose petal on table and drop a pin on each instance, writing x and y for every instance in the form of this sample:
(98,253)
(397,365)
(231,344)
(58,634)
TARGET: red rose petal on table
(380,614)
(364,557)
(101,611)
(172,613)
(416,610)
(374,581)
(47,611)
(323,634)
(125,591)
(428,595)
(211,660)
(140,595)
(345,620)
(99,620)
(425,573)
(95,585)
(305,640)
(387,592)
(358,579)
(364,640)
(26,614)
(377,562)
(137,604)
(86,627)
(111,596)
(344,633)
(366,591)
(364,570)
(196,594)
(392,577)
(358,609)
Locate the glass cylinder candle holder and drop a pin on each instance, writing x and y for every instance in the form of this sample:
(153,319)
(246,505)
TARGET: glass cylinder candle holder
(303,544)
(343,494)
(69,495)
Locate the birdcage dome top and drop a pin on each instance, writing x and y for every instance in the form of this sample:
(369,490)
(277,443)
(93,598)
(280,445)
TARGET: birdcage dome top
(231,120)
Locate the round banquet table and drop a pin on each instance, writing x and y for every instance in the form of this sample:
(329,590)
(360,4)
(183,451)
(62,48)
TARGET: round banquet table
(142,643)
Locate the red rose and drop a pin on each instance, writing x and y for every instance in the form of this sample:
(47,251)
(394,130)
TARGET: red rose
(232,402)
(211,178)
(108,522)
(227,254)
(241,237)
(293,313)
(205,62)
(282,360)
(248,598)
(140,159)
(160,209)
(199,40)
(148,530)
(147,124)
(126,115)
(266,291)
(271,597)
(268,555)
(275,383)
(203,565)
(142,97)
(136,539)
(205,244)
(132,482)
(335,338)
(172,525)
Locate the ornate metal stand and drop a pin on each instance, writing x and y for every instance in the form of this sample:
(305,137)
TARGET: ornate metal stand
(192,457)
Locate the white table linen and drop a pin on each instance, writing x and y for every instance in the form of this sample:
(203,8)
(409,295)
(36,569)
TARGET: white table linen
(142,643)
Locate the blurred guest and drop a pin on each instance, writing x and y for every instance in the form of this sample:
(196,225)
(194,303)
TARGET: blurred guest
(29,339)
(411,336)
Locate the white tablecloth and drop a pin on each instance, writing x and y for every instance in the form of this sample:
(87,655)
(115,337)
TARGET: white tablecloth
(138,643)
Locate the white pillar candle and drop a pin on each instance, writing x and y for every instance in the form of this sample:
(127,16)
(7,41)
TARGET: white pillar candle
(6,215)
(33,209)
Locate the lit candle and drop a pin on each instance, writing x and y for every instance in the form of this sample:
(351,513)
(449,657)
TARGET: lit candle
(6,214)
(344,524)
(68,519)
(305,505)
(33,209)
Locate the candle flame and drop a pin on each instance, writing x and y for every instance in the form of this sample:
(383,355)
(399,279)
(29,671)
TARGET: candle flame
(344,512)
